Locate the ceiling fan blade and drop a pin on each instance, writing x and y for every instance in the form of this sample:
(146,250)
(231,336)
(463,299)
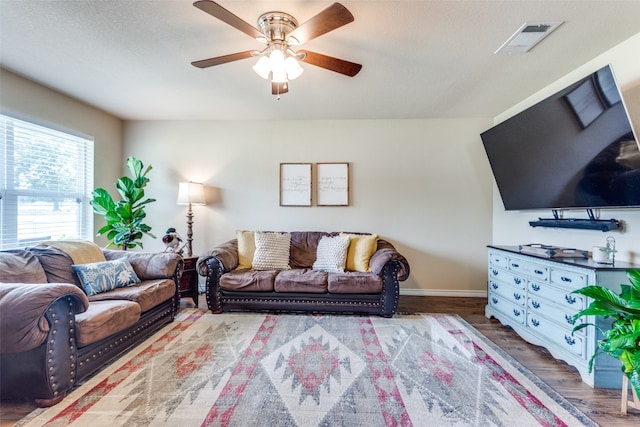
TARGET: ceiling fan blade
(335,16)
(204,63)
(217,11)
(330,63)
(279,88)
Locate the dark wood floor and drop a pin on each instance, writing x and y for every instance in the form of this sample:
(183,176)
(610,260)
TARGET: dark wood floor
(603,406)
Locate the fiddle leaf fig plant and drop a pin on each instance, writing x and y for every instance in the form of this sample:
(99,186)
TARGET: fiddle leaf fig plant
(622,340)
(124,227)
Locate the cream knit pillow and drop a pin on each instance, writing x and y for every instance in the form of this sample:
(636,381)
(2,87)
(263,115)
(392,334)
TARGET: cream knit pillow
(272,251)
(331,254)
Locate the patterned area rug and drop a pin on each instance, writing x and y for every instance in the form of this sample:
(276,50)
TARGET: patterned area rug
(305,370)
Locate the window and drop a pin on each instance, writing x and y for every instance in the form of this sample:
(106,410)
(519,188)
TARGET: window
(46,179)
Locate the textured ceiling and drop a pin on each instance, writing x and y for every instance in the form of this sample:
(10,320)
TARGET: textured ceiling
(421,59)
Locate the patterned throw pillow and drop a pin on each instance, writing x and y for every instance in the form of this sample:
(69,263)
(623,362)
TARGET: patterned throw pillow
(272,251)
(331,254)
(105,276)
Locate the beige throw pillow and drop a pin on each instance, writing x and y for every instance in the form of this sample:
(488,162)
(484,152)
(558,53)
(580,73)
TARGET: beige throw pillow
(272,251)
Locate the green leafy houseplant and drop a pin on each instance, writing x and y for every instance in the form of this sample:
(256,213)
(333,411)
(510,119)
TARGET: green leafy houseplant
(124,227)
(622,340)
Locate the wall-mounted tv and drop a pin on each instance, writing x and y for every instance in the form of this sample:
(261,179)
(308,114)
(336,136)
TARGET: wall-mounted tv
(575,149)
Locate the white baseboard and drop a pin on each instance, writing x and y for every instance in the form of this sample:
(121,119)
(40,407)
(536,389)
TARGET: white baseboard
(443,293)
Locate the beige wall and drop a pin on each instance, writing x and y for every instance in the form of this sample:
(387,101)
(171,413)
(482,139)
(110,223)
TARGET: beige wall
(424,185)
(23,99)
(512,228)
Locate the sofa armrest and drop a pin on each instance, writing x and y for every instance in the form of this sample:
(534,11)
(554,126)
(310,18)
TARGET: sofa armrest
(148,265)
(385,253)
(226,253)
(23,306)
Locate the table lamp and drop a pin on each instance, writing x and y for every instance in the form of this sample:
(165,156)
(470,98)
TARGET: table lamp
(190,193)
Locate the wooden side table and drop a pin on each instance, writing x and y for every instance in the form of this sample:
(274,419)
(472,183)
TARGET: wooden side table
(188,286)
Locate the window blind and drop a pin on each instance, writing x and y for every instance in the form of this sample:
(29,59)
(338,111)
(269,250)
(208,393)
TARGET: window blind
(46,179)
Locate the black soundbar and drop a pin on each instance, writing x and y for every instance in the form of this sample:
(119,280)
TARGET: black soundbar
(585,224)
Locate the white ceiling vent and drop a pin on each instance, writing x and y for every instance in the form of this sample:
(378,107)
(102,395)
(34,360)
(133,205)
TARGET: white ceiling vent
(527,36)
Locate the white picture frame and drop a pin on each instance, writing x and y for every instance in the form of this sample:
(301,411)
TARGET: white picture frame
(295,184)
(332,184)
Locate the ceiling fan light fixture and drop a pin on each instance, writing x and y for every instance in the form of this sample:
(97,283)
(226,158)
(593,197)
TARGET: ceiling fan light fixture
(276,61)
(262,67)
(294,70)
(279,77)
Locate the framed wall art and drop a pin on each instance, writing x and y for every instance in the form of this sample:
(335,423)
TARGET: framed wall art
(295,184)
(332,184)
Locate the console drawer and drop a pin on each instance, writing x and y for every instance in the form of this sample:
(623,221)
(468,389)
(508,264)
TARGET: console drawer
(508,291)
(498,260)
(537,271)
(507,277)
(514,312)
(543,307)
(572,302)
(570,279)
(561,337)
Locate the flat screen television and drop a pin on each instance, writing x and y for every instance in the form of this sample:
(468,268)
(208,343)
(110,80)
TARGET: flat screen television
(574,150)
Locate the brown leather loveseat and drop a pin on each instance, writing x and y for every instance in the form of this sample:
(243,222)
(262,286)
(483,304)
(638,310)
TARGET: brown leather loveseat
(306,277)
(52,335)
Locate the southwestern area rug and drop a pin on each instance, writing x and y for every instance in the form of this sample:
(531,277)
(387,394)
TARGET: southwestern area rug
(306,370)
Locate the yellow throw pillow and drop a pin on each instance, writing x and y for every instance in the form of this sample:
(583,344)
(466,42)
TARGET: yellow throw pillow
(246,248)
(361,247)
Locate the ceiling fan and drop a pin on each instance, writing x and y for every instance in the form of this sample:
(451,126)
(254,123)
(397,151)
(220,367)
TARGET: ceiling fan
(278,61)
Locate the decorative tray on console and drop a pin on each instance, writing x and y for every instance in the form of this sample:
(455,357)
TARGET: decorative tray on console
(552,251)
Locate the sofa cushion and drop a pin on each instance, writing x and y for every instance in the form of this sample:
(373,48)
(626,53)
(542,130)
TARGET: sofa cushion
(20,266)
(248,280)
(304,245)
(147,265)
(57,265)
(147,294)
(331,254)
(98,277)
(105,318)
(301,280)
(80,251)
(361,248)
(354,283)
(246,248)
(272,251)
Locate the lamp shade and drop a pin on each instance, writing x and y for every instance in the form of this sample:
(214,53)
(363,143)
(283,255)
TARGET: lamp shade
(191,193)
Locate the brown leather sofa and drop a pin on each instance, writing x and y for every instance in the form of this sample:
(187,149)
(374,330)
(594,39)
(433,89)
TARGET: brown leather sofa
(301,288)
(52,335)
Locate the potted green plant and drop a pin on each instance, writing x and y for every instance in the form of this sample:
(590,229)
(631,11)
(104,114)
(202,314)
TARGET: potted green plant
(622,340)
(124,227)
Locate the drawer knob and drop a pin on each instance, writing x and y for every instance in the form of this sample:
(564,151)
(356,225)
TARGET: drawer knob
(569,340)
(566,279)
(516,312)
(517,280)
(517,296)
(514,265)
(570,299)
(494,272)
(535,287)
(535,322)
(569,319)
(535,304)
(494,300)
(539,272)
(494,285)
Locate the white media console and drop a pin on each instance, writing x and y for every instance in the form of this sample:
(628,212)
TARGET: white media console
(532,295)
